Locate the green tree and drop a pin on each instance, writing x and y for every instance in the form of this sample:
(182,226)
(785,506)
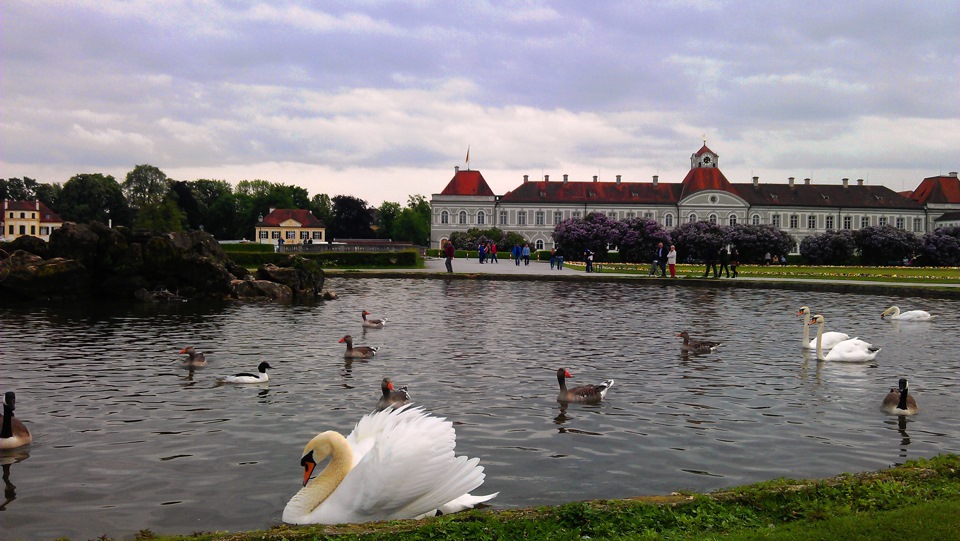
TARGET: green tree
(351,218)
(387,215)
(162,217)
(94,197)
(145,185)
(18,189)
(218,206)
(322,208)
(188,203)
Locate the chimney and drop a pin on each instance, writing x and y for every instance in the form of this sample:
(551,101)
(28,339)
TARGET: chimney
(656,179)
(594,178)
(790,180)
(846,183)
(756,183)
(526,178)
(953,174)
(456,169)
(859,182)
(618,180)
(565,177)
(806,181)
(546,178)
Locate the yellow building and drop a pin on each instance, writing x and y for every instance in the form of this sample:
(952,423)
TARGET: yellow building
(290,226)
(28,218)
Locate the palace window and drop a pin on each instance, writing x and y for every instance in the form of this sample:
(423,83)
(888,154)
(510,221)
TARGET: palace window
(794,221)
(274,234)
(612,215)
(264,234)
(304,235)
(776,220)
(557,217)
(291,235)
(318,235)
(918,224)
(444,217)
(575,214)
(692,218)
(829,223)
(463,217)
(755,220)
(481,218)
(668,220)
(503,217)
(648,215)
(847,222)
(882,221)
(864,222)
(522,217)
(811,222)
(539,218)
(539,244)
(900,224)
(713,218)
(732,220)
(630,215)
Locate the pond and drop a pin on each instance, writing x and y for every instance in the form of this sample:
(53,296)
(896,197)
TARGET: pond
(126,439)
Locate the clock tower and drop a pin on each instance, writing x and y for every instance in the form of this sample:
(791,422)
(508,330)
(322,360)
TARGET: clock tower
(704,158)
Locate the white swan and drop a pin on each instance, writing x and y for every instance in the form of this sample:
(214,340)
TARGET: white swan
(396,464)
(852,350)
(909,315)
(830,338)
(899,401)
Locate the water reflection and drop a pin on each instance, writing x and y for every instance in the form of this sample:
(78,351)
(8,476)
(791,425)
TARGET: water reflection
(7,460)
(144,443)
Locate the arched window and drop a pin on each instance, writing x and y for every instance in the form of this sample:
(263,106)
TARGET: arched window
(692,218)
(539,244)
(732,220)
(755,220)
(668,220)
(481,218)
(463,217)
(713,219)
(444,217)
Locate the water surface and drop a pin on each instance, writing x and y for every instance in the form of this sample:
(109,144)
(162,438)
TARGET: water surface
(125,439)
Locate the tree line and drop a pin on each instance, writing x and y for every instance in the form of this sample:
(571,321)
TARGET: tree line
(148,199)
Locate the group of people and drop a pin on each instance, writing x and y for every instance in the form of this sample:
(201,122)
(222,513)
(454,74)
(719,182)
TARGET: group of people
(664,259)
(729,261)
(775,260)
(521,252)
(487,251)
(556,258)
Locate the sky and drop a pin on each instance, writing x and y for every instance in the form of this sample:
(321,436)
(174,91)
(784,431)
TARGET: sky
(381,100)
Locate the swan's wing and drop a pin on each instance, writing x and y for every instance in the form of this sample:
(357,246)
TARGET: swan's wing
(408,470)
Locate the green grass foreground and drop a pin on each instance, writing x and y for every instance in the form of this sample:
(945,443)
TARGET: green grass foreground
(918,500)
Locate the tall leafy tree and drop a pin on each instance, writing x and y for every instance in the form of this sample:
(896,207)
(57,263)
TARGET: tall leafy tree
(189,204)
(162,217)
(145,185)
(351,219)
(322,207)
(387,214)
(218,206)
(18,189)
(94,197)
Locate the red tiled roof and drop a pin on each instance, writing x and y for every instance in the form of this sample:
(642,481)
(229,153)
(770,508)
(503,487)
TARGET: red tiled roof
(467,183)
(942,189)
(705,178)
(593,192)
(704,150)
(278,216)
(46,215)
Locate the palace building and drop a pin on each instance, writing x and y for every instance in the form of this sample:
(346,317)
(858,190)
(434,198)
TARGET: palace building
(799,207)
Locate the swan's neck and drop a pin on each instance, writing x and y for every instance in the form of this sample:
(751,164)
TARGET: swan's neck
(320,487)
(820,341)
(806,329)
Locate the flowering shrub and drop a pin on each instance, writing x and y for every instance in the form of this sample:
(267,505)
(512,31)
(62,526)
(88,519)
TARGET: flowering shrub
(881,245)
(941,248)
(830,248)
(595,232)
(639,239)
(698,239)
(470,239)
(753,241)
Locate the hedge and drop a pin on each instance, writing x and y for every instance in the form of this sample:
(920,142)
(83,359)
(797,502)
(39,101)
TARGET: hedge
(407,258)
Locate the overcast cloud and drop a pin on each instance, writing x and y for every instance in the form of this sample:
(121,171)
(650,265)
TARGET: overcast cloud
(380,100)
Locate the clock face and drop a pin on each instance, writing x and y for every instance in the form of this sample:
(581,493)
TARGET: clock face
(706,159)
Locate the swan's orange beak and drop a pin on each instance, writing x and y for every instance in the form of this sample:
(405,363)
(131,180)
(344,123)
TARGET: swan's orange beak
(308,471)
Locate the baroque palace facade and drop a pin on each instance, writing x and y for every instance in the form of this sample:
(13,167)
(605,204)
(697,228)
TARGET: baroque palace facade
(801,208)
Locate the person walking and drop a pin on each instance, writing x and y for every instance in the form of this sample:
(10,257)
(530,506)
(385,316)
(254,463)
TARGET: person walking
(526,254)
(712,254)
(588,257)
(493,253)
(734,261)
(725,261)
(481,252)
(516,254)
(559,258)
(672,261)
(448,252)
(553,258)
(660,260)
